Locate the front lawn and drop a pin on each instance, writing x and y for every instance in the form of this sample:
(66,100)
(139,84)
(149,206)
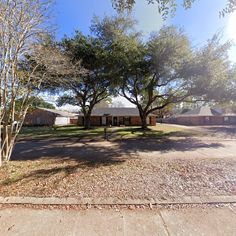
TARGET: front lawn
(63,131)
(133,164)
(160,130)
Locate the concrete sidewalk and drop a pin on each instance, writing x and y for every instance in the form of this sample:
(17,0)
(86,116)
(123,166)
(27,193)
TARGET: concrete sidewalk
(185,221)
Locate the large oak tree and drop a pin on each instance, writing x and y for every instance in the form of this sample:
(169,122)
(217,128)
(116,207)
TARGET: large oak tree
(165,69)
(87,54)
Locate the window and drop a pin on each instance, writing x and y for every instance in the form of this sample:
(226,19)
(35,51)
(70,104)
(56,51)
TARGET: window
(226,119)
(126,120)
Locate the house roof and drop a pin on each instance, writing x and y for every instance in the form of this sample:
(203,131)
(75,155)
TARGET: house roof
(202,111)
(58,113)
(229,114)
(115,111)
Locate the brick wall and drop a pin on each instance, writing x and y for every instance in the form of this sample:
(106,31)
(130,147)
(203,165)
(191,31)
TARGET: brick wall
(39,117)
(135,121)
(74,121)
(96,121)
(201,120)
(153,120)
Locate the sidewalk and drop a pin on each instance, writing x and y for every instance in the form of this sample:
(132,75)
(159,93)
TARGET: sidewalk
(207,220)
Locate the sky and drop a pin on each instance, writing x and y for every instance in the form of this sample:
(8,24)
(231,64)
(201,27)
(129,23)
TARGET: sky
(200,22)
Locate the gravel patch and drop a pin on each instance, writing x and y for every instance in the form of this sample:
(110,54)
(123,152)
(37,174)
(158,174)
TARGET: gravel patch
(134,178)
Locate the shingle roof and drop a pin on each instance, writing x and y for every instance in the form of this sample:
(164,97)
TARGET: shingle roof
(202,111)
(57,112)
(229,114)
(116,111)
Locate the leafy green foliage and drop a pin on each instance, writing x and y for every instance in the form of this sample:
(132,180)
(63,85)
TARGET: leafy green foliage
(34,103)
(90,87)
(165,70)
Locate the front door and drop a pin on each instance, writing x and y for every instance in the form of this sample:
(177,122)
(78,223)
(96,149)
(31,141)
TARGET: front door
(115,121)
(104,120)
(207,120)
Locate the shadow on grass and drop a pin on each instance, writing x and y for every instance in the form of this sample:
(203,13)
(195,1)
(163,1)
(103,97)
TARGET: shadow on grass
(63,131)
(70,154)
(228,131)
(62,159)
(122,133)
(165,145)
(97,153)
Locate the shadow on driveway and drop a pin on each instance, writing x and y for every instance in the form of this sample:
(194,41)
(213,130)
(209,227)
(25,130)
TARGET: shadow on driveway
(223,131)
(93,154)
(61,158)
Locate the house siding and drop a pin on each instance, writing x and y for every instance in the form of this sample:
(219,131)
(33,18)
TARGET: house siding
(153,120)
(39,117)
(120,120)
(74,121)
(203,120)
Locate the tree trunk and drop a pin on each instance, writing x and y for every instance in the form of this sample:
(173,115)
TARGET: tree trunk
(143,117)
(144,122)
(7,143)
(87,121)
(0,146)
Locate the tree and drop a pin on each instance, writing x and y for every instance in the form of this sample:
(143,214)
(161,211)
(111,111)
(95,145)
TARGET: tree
(166,7)
(22,29)
(165,70)
(92,86)
(156,78)
(34,103)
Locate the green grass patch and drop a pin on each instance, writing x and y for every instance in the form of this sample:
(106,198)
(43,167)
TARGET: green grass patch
(157,131)
(64,131)
(160,130)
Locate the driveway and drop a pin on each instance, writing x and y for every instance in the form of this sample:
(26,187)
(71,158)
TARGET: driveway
(213,142)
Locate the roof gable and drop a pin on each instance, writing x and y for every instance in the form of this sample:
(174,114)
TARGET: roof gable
(115,111)
(202,111)
(57,112)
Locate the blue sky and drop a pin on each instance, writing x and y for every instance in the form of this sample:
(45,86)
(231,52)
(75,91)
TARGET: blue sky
(200,22)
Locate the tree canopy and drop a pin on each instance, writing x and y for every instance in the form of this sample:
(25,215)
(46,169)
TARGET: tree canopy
(87,54)
(165,69)
(34,103)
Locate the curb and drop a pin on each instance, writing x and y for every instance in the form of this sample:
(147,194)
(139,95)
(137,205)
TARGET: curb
(112,201)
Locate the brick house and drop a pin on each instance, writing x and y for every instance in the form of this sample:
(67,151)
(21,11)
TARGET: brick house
(203,116)
(116,116)
(48,117)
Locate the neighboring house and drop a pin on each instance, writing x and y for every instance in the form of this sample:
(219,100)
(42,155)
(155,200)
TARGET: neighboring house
(48,117)
(116,116)
(203,116)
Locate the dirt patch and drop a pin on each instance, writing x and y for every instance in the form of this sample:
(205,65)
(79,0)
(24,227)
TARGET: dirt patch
(135,168)
(130,179)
